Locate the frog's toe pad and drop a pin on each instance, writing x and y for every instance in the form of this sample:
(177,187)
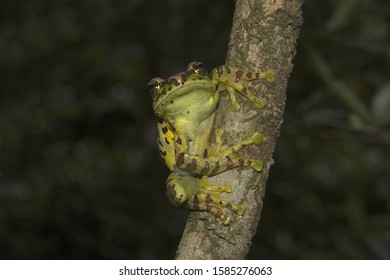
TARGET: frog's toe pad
(235,106)
(256,165)
(269,75)
(259,102)
(257,138)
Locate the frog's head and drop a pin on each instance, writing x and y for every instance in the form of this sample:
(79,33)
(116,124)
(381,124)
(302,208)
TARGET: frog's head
(167,92)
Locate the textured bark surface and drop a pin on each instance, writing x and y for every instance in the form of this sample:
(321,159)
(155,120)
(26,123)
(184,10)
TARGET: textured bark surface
(263,37)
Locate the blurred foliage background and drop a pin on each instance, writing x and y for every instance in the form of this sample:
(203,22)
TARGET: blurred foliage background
(81,176)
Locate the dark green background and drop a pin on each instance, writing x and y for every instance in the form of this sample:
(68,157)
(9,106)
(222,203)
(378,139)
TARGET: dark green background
(81,176)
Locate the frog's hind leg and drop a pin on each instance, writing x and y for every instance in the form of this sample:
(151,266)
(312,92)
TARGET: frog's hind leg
(208,198)
(217,161)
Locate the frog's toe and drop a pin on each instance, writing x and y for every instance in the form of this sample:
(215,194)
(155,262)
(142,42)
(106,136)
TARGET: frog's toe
(256,165)
(269,75)
(235,106)
(257,138)
(225,220)
(220,214)
(218,134)
(215,205)
(259,102)
(218,210)
(239,209)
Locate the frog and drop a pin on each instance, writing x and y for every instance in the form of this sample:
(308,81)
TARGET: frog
(186,105)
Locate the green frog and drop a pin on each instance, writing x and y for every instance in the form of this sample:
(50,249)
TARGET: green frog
(186,105)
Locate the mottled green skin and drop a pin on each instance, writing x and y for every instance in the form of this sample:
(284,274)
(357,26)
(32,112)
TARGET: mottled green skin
(186,106)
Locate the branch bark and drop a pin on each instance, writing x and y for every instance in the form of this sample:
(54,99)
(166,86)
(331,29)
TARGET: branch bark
(263,37)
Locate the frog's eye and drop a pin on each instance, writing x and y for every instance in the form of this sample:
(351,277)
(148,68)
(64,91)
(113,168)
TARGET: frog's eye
(197,67)
(153,86)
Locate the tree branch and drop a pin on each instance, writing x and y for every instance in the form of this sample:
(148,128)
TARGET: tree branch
(263,37)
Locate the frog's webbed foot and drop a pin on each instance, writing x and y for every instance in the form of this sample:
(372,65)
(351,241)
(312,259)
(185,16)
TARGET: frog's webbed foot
(229,156)
(198,194)
(231,152)
(256,101)
(234,80)
(208,198)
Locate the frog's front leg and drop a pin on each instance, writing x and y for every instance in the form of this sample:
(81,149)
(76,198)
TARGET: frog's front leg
(198,194)
(221,161)
(234,80)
